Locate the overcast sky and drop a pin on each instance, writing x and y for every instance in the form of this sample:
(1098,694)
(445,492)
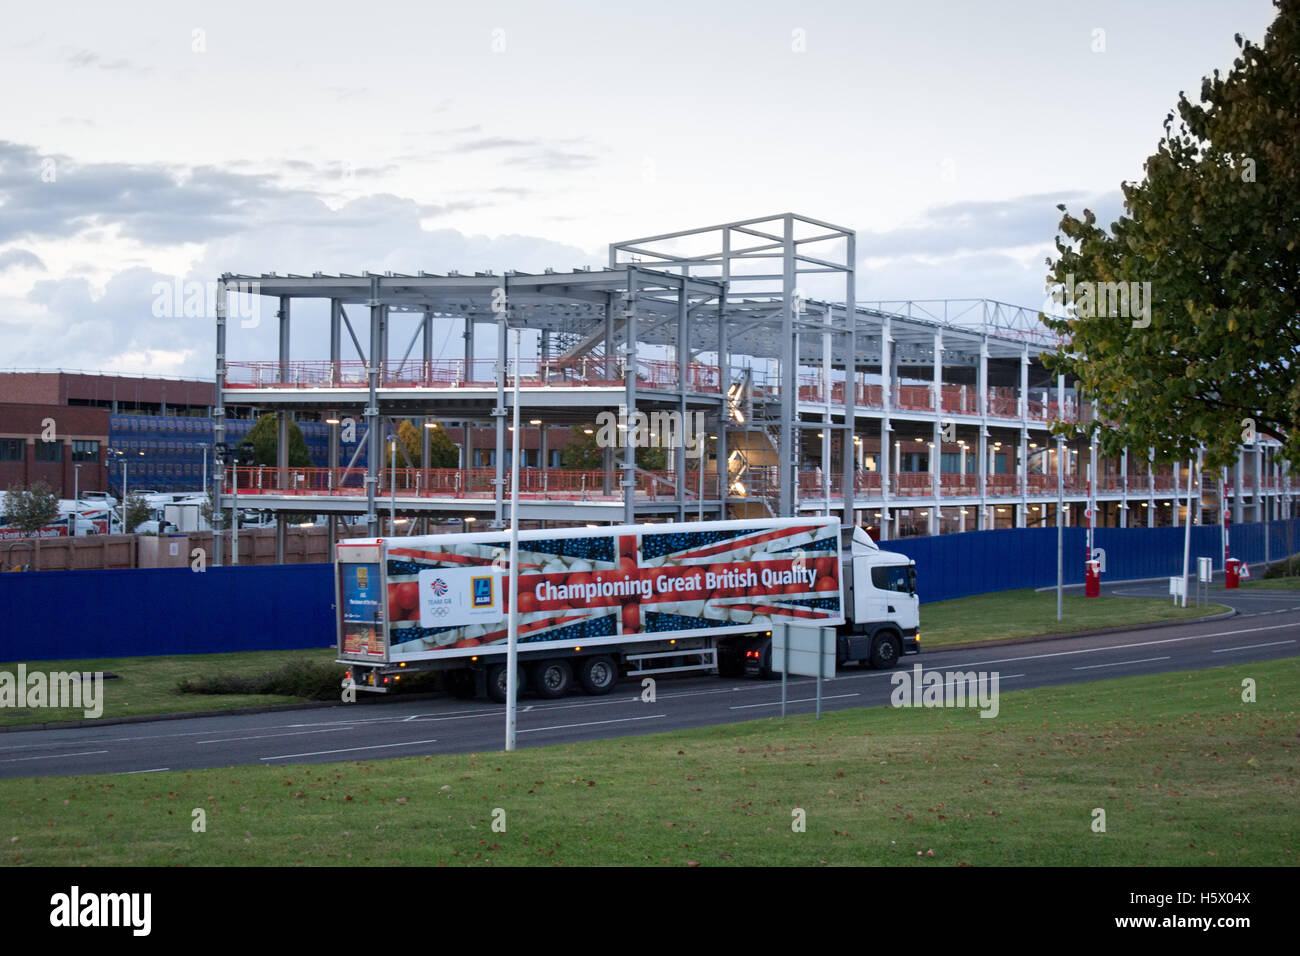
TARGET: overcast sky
(145,142)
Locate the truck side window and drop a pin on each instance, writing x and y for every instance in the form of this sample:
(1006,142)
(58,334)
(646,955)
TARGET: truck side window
(890,578)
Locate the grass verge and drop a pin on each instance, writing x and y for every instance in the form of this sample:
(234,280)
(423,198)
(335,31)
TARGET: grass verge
(1186,772)
(1271,584)
(148,685)
(1028,613)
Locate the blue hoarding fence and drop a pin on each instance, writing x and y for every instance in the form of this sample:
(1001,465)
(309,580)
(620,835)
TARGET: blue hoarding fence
(976,562)
(64,615)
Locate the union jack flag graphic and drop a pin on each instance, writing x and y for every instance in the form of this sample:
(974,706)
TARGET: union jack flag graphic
(648,582)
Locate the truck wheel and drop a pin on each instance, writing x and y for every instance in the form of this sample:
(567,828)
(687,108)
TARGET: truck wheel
(598,675)
(552,678)
(730,665)
(496,682)
(885,651)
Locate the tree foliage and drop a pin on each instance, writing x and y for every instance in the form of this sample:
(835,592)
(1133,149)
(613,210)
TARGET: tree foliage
(1213,227)
(265,438)
(443,452)
(31,508)
(585,454)
(137,512)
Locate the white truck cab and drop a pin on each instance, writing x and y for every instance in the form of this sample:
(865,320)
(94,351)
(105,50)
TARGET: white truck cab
(881,610)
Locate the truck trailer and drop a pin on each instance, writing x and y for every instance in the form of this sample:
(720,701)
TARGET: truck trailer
(597,604)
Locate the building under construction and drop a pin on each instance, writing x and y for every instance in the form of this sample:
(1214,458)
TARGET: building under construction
(922,417)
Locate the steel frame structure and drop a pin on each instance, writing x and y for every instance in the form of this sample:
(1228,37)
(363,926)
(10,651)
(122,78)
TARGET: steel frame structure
(718,320)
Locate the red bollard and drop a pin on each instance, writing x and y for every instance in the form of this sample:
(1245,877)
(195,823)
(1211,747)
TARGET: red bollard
(1231,577)
(1092,580)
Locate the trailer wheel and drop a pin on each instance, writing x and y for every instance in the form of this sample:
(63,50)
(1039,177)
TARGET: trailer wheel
(598,675)
(552,678)
(885,651)
(496,682)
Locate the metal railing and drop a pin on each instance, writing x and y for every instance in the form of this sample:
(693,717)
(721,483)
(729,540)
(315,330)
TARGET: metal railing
(586,371)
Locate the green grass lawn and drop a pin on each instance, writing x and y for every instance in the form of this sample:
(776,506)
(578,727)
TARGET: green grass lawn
(147,685)
(1186,773)
(1027,613)
(1272,584)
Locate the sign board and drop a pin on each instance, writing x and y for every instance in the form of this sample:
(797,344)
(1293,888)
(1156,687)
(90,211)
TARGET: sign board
(361,604)
(1243,572)
(455,597)
(806,646)
(1177,587)
(1205,569)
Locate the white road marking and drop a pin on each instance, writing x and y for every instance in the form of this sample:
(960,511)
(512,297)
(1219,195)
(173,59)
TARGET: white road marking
(1145,660)
(292,733)
(590,723)
(1118,647)
(1247,647)
(150,770)
(83,753)
(320,753)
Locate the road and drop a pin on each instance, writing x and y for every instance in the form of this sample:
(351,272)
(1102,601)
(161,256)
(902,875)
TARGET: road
(1267,627)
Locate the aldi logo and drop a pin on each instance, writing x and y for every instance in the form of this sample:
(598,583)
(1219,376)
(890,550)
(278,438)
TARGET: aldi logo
(456,597)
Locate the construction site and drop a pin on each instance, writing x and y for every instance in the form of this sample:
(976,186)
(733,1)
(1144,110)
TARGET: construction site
(741,352)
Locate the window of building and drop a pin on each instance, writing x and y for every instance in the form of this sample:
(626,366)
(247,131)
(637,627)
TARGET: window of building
(11,449)
(49,451)
(85,451)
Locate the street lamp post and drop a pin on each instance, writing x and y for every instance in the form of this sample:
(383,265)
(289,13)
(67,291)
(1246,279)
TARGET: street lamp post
(392,492)
(76,496)
(512,626)
(1060,526)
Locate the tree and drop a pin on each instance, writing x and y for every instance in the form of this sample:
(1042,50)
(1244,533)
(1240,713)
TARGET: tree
(587,455)
(137,512)
(265,439)
(582,455)
(1208,241)
(442,450)
(31,508)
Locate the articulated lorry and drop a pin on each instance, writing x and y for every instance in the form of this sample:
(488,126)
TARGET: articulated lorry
(597,604)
